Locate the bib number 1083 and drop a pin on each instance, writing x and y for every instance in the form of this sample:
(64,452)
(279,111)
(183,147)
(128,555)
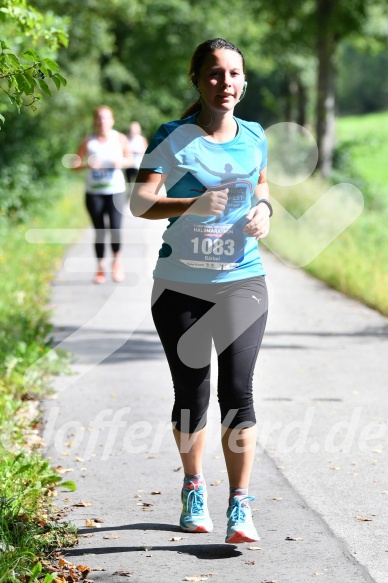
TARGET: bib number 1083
(218,246)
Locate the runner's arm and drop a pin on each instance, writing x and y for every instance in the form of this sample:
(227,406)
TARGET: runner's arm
(258,216)
(80,159)
(147,202)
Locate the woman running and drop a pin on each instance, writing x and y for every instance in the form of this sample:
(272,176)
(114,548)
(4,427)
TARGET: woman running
(209,282)
(104,154)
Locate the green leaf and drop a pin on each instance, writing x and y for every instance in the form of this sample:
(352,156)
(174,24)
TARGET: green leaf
(4,46)
(44,70)
(62,79)
(36,570)
(70,485)
(56,81)
(13,60)
(51,479)
(31,55)
(18,81)
(2,118)
(51,64)
(44,87)
(29,84)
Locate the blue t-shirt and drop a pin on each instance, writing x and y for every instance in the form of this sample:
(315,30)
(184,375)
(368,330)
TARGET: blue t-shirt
(199,249)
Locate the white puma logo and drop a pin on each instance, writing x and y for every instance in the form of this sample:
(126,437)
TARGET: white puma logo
(257,299)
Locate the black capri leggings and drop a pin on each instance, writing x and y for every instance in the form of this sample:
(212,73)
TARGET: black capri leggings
(100,206)
(187,318)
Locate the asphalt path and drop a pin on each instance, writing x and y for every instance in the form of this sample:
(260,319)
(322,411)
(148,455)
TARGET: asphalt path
(320,475)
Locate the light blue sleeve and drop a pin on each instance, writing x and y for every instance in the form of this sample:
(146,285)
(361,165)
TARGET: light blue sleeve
(158,156)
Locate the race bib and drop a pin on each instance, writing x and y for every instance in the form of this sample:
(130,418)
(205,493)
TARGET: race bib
(212,246)
(102,174)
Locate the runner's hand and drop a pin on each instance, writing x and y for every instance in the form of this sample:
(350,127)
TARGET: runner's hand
(211,203)
(258,222)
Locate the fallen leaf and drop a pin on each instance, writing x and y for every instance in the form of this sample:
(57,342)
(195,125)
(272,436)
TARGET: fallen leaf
(84,569)
(363,519)
(137,496)
(297,538)
(384,492)
(156,492)
(176,538)
(88,535)
(62,470)
(109,536)
(67,499)
(98,520)
(82,504)
(216,482)
(144,504)
(89,522)
(149,555)
(63,563)
(178,469)
(198,578)
(123,573)
(79,459)
(278,499)
(250,562)
(335,468)
(318,574)
(269,581)
(255,548)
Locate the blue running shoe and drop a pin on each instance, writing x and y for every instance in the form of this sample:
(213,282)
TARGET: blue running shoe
(195,515)
(240,527)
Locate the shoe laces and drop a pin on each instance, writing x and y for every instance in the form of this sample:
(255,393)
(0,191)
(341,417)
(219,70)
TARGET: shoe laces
(237,509)
(194,500)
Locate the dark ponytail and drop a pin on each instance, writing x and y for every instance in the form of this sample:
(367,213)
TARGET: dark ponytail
(193,108)
(197,60)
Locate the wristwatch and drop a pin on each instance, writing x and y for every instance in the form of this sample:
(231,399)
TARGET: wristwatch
(269,205)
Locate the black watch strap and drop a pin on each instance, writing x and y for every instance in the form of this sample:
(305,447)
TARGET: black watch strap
(269,205)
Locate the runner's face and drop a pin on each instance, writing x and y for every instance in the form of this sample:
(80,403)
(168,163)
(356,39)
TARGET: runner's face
(221,80)
(103,120)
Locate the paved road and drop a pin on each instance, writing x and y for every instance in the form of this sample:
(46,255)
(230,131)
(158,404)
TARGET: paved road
(320,474)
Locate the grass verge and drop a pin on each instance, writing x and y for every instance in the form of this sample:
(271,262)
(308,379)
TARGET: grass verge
(354,261)
(29,529)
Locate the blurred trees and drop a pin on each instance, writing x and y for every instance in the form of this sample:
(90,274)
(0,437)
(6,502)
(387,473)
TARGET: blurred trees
(134,56)
(22,70)
(315,29)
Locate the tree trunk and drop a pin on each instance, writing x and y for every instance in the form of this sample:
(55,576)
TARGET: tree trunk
(301,103)
(325,112)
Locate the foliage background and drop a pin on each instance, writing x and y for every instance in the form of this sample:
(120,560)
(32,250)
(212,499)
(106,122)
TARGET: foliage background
(135,55)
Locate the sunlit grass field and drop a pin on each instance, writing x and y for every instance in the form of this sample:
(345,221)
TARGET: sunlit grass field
(356,260)
(369,133)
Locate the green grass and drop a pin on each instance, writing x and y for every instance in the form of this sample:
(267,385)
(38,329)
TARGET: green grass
(355,262)
(369,154)
(28,529)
